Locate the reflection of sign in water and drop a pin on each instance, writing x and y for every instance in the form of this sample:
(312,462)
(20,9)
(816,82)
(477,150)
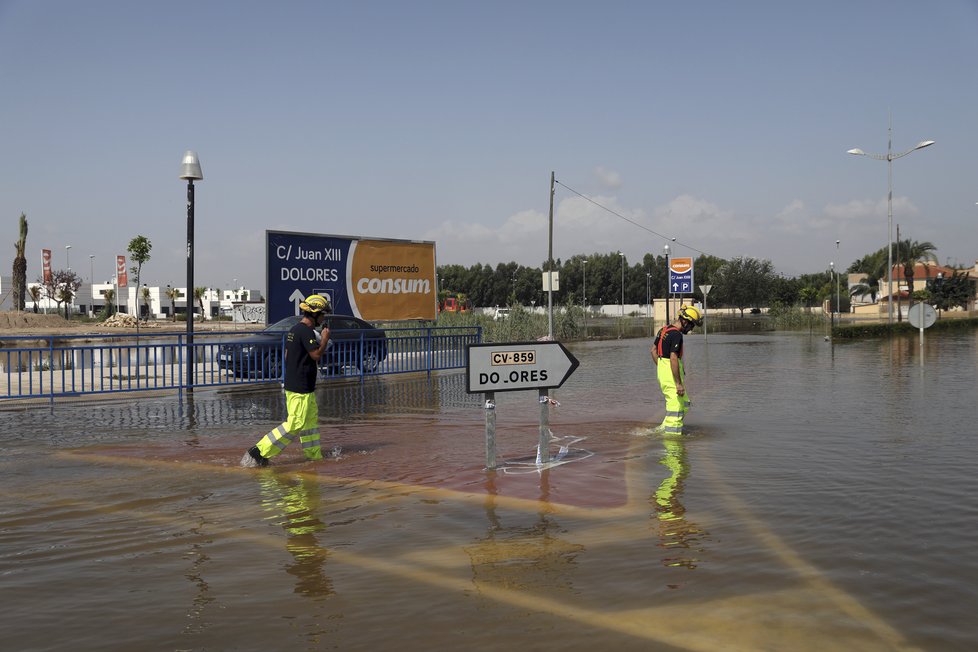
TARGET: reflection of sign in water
(371,279)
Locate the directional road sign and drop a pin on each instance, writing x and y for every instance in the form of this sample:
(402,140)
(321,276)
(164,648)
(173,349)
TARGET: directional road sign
(681,275)
(518,365)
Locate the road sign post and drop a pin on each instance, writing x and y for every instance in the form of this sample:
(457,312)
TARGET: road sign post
(922,315)
(681,275)
(515,366)
(705,289)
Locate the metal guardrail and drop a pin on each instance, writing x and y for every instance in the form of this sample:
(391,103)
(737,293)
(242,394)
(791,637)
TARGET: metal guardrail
(76,365)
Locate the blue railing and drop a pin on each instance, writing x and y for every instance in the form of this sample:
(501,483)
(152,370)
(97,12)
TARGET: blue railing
(76,365)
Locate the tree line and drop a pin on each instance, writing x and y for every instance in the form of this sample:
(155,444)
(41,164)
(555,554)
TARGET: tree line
(742,283)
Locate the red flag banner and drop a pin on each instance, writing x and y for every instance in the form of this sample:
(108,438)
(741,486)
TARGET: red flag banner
(120,271)
(46,265)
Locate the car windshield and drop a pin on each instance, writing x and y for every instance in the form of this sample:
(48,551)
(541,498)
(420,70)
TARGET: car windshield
(283,324)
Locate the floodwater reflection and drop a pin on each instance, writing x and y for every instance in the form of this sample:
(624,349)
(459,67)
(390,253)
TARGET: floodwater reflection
(295,503)
(823,498)
(679,537)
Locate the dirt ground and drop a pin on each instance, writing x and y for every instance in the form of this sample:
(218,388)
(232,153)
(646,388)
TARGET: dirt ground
(29,323)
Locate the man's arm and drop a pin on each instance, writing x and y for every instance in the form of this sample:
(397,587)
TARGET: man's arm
(316,354)
(674,364)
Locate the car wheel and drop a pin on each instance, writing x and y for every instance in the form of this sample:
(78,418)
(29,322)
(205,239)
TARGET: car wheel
(272,367)
(371,360)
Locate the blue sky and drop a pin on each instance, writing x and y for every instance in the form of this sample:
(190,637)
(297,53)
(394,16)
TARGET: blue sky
(722,124)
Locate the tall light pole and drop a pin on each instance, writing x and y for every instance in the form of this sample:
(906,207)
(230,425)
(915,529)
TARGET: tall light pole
(550,262)
(585,298)
(832,314)
(648,301)
(889,157)
(190,170)
(91,282)
(70,306)
(622,284)
(666,249)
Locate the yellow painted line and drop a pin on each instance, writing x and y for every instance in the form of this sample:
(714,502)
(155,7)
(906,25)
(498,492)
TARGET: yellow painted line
(808,573)
(657,623)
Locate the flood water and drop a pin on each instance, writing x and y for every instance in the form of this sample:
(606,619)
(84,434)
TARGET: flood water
(824,497)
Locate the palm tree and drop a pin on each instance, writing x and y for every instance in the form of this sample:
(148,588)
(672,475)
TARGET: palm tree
(874,268)
(909,254)
(172,294)
(199,298)
(35,292)
(146,295)
(19,279)
(109,299)
(808,294)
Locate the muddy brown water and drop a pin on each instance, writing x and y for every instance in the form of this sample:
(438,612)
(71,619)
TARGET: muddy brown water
(824,497)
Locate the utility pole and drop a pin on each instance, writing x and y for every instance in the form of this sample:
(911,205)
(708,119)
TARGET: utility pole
(550,264)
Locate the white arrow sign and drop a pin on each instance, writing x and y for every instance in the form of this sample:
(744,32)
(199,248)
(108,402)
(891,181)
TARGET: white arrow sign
(296,298)
(518,365)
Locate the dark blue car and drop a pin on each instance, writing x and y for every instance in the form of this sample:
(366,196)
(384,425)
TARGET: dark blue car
(354,344)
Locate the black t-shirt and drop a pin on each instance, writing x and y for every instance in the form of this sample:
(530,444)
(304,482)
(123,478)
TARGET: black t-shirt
(672,342)
(300,368)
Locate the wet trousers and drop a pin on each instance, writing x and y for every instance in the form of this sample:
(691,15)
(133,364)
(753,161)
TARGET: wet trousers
(676,406)
(303,422)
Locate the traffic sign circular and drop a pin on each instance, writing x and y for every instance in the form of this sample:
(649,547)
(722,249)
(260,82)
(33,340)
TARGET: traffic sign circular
(922,315)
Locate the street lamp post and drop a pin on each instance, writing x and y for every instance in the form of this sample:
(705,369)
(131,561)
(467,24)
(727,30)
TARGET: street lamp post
(91,282)
(585,297)
(648,300)
(70,306)
(666,249)
(190,170)
(832,314)
(889,157)
(622,284)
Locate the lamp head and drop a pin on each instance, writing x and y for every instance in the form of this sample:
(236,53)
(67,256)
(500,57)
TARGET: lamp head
(857,152)
(924,143)
(190,167)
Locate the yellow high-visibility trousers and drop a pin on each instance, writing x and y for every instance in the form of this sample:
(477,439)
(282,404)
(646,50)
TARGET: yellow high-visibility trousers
(303,421)
(676,406)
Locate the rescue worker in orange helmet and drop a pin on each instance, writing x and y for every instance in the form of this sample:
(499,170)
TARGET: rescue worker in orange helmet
(303,349)
(667,356)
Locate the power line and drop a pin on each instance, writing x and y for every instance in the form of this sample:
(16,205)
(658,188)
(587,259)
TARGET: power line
(641,226)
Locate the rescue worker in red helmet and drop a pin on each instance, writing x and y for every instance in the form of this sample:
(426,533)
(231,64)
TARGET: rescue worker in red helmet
(303,349)
(667,356)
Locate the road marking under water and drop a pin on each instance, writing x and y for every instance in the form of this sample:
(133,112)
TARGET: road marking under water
(699,627)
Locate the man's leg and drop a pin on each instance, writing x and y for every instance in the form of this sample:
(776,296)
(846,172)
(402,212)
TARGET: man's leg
(278,438)
(309,434)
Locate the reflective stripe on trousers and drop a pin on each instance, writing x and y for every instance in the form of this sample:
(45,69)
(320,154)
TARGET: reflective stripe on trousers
(302,422)
(676,406)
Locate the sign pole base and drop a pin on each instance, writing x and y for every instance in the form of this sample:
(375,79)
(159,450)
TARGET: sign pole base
(490,430)
(543,451)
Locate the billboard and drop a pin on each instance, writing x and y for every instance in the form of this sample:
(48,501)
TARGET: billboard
(46,265)
(121,277)
(374,279)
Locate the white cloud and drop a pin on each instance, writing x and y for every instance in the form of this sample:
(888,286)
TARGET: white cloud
(610,178)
